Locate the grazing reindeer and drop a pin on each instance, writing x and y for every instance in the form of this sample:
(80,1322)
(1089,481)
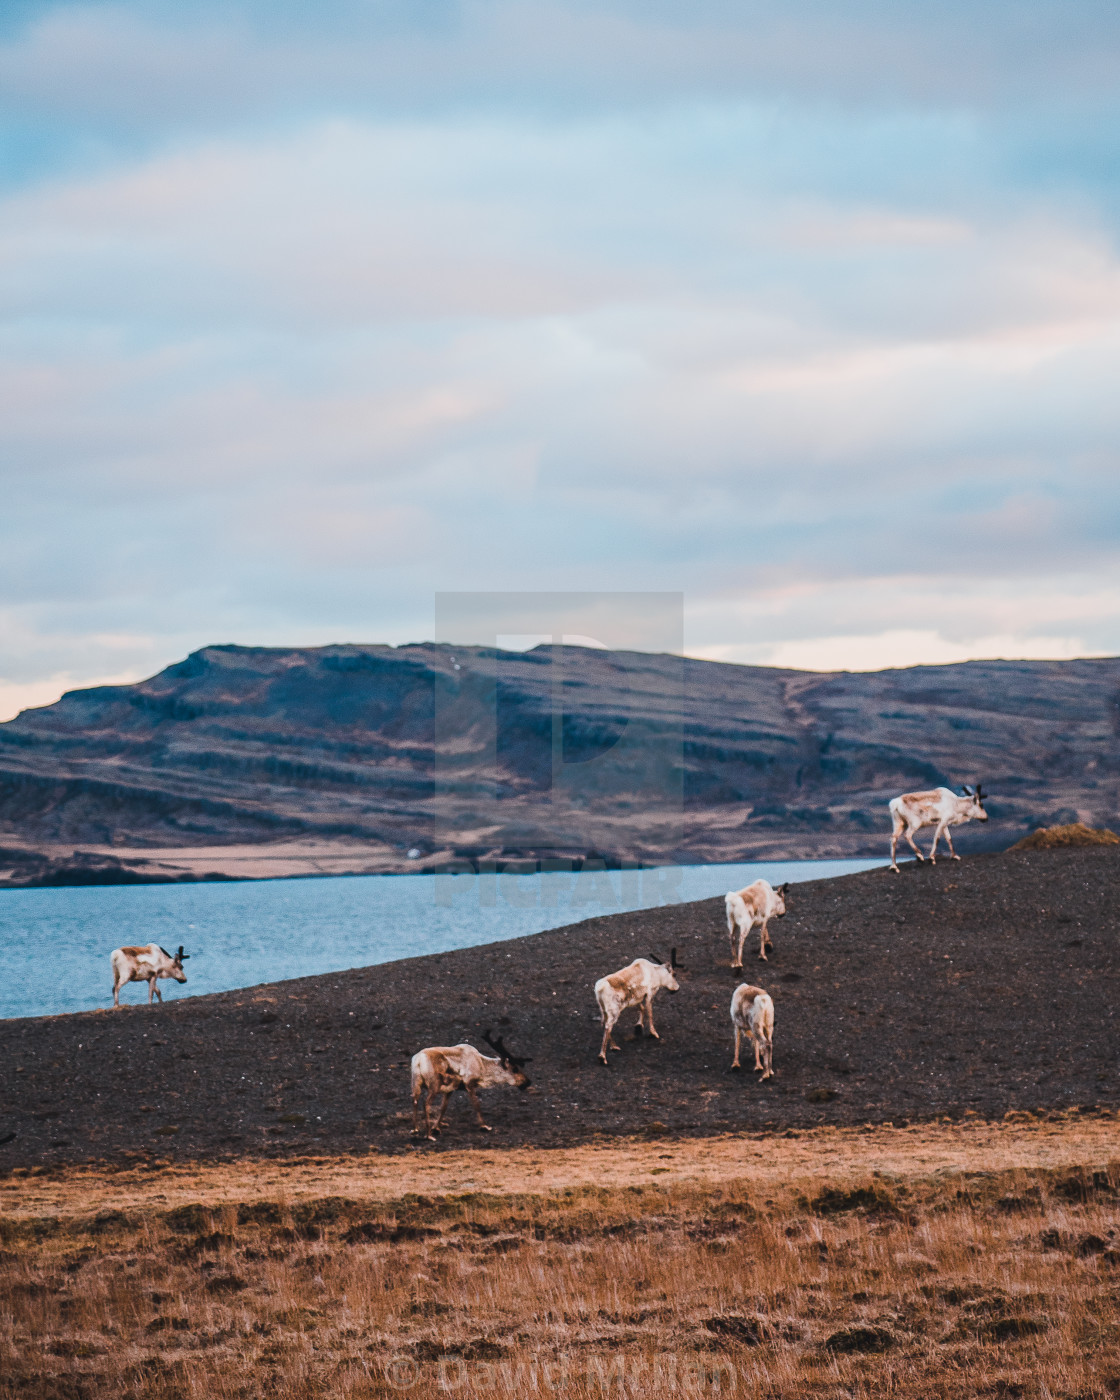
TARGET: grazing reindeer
(443,1069)
(752,1015)
(941,808)
(757,904)
(635,985)
(145,965)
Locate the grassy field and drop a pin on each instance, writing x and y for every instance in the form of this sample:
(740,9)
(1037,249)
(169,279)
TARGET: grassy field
(942,1260)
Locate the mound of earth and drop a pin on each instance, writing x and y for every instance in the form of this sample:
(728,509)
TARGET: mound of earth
(981,986)
(1050,838)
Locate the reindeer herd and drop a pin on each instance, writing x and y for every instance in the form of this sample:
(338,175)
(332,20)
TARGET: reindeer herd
(438,1071)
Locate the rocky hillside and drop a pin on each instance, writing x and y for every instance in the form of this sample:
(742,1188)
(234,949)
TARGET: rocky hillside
(466,752)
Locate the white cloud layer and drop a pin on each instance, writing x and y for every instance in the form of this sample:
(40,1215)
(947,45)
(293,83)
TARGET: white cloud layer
(817,321)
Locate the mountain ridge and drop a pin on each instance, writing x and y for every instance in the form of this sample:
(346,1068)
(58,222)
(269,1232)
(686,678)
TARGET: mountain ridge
(472,753)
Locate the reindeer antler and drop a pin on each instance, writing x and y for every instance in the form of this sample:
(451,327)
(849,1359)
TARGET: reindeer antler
(503,1054)
(180,956)
(673,960)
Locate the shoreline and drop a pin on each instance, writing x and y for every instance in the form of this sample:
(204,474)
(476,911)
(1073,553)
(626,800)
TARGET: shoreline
(64,866)
(869,974)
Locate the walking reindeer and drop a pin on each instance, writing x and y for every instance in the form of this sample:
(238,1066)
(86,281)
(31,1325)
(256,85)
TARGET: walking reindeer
(634,985)
(752,1015)
(940,808)
(441,1069)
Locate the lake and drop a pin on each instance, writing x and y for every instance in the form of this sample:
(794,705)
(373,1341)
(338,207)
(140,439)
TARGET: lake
(55,943)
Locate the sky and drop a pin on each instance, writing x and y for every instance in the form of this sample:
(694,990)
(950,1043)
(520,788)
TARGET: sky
(808,311)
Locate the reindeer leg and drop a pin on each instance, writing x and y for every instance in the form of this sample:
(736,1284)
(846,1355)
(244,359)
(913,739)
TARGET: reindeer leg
(910,837)
(937,831)
(738,1036)
(895,834)
(949,837)
(768,1061)
(417,1095)
(473,1096)
(763,943)
(159,994)
(608,1039)
(739,951)
(649,1017)
(442,1110)
(757,1062)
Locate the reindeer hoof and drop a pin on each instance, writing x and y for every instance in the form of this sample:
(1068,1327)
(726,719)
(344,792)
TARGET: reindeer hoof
(486,1128)
(955,856)
(736,1068)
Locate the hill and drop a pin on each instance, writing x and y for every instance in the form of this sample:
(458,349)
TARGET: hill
(981,987)
(350,757)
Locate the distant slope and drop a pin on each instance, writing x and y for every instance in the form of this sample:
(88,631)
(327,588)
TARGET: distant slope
(625,755)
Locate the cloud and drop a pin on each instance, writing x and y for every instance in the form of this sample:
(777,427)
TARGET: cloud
(902,647)
(127,66)
(304,321)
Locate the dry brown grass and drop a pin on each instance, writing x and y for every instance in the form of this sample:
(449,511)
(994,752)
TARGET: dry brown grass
(1049,838)
(831,1277)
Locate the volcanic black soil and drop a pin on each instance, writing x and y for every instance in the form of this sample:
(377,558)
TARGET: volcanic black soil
(979,986)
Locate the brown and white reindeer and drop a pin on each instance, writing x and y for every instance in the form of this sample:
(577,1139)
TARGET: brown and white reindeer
(634,985)
(752,1015)
(756,904)
(941,808)
(441,1069)
(146,965)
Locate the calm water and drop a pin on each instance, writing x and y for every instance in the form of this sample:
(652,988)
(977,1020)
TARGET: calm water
(55,944)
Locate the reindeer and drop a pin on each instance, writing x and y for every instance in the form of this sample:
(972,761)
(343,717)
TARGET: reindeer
(941,808)
(635,985)
(443,1069)
(752,1015)
(757,904)
(146,965)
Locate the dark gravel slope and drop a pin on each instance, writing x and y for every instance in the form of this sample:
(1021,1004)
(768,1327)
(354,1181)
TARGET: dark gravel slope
(984,985)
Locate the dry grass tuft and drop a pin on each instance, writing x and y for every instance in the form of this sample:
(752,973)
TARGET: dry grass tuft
(1049,838)
(891,1285)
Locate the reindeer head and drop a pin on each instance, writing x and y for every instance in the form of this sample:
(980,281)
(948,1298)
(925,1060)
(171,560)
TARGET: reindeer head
(666,971)
(975,811)
(780,898)
(511,1064)
(177,965)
